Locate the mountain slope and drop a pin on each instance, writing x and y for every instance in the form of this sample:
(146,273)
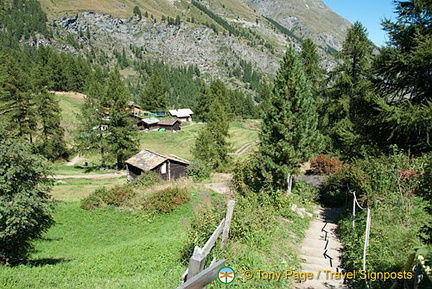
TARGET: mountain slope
(213,35)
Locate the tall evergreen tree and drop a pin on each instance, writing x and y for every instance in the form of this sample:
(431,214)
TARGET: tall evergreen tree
(289,133)
(120,134)
(349,98)
(50,142)
(312,67)
(212,145)
(94,121)
(202,105)
(154,95)
(17,107)
(404,78)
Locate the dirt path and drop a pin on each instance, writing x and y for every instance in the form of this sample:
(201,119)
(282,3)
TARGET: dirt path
(75,160)
(320,251)
(244,148)
(94,176)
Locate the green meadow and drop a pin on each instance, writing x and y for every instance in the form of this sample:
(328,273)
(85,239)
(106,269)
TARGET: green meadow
(107,248)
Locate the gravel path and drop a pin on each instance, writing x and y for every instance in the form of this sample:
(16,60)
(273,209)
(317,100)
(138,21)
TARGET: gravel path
(320,251)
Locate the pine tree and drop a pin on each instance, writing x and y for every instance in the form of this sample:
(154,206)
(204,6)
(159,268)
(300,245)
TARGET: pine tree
(50,142)
(289,133)
(17,107)
(120,134)
(312,68)
(202,106)
(404,79)
(94,120)
(212,145)
(154,95)
(349,99)
(137,12)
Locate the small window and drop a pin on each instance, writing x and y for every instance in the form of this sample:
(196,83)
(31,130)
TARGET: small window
(164,169)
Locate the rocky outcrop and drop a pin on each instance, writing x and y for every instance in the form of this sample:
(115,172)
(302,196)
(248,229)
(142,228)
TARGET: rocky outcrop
(174,44)
(217,53)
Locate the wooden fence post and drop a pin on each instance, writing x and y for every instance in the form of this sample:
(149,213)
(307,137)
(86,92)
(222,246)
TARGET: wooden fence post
(204,278)
(289,184)
(230,209)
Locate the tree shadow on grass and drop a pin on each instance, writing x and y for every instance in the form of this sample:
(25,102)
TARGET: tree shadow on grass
(45,261)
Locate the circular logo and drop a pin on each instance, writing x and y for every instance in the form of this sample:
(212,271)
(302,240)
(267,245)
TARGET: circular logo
(226,275)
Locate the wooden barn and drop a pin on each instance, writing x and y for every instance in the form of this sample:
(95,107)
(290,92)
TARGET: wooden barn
(170,124)
(168,168)
(148,123)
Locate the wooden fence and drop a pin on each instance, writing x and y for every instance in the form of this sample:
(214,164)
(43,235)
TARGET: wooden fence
(196,277)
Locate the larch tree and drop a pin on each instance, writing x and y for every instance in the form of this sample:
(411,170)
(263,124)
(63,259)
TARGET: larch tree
(212,143)
(154,95)
(121,138)
(94,121)
(404,78)
(17,106)
(349,98)
(289,133)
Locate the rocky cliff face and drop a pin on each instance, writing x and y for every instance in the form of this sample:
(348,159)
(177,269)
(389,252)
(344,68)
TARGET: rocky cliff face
(216,53)
(175,44)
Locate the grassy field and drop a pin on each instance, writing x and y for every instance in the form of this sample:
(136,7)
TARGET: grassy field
(76,189)
(104,249)
(70,104)
(181,143)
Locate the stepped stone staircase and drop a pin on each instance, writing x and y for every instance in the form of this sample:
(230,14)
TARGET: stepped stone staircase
(320,251)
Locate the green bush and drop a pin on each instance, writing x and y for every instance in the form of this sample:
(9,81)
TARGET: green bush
(102,197)
(26,207)
(207,214)
(92,201)
(388,185)
(166,200)
(147,179)
(198,171)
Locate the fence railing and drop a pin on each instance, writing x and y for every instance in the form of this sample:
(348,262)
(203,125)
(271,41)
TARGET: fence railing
(196,277)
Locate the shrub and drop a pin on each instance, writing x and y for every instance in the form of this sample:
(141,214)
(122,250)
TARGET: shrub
(166,200)
(198,171)
(101,197)
(388,185)
(147,179)
(25,206)
(92,201)
(325,165)
(207,214)
(118,195)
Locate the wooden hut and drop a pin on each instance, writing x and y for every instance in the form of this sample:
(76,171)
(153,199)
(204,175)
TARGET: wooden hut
(167,167)
(170,124)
